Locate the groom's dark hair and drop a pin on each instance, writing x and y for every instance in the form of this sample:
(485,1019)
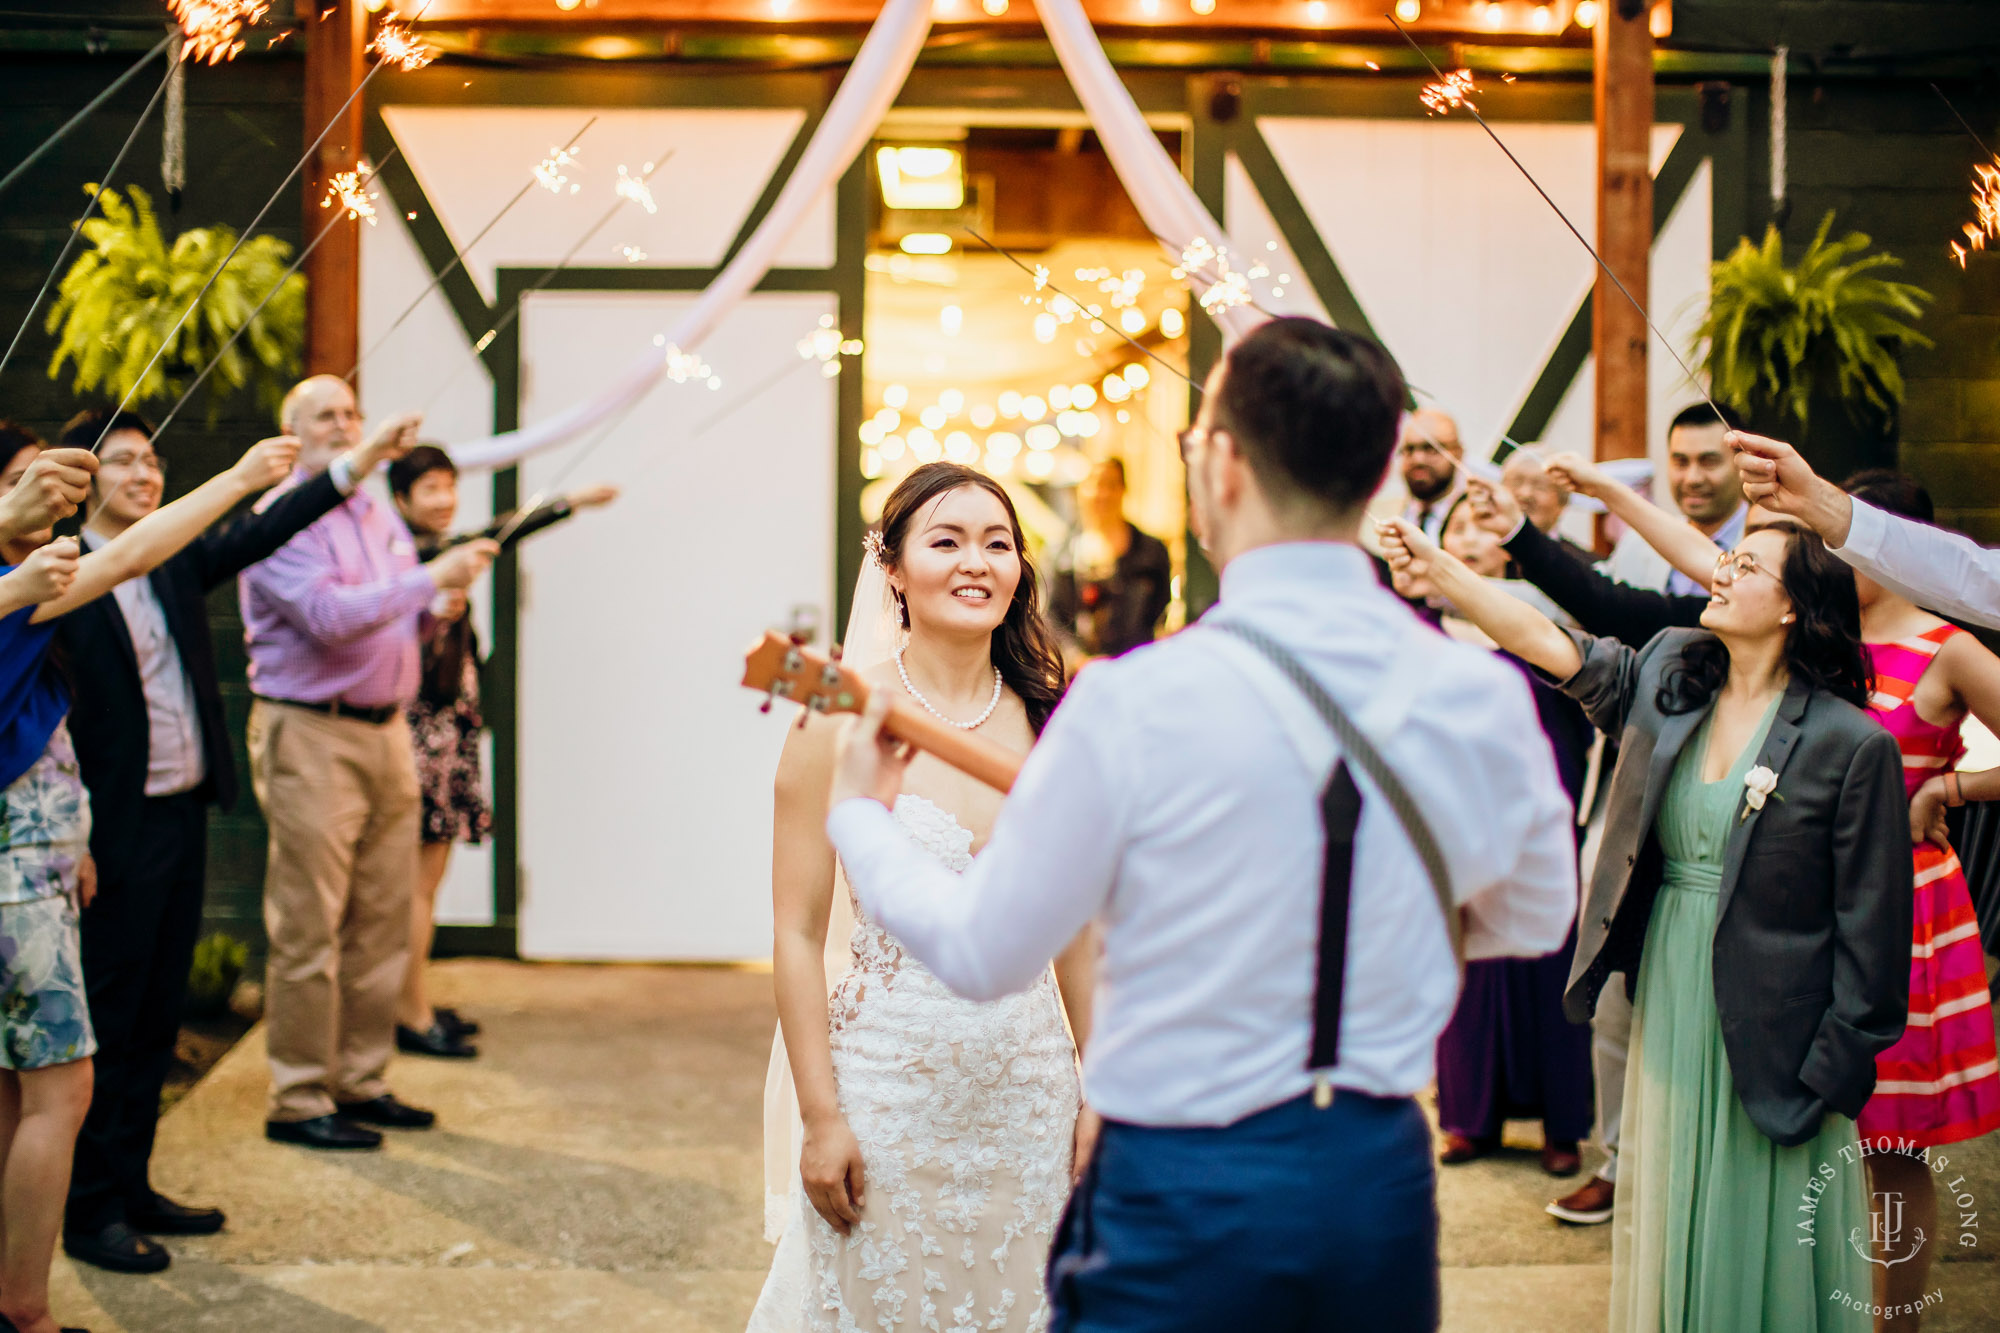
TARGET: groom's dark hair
(1314,409)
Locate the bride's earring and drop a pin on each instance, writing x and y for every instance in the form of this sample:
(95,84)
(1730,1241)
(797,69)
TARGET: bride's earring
(1787,618)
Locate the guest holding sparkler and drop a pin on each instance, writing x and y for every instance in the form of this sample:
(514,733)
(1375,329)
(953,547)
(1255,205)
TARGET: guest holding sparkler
(153,748)
(333,623)
(1428,453)
(46,873)
(1755,887)
(445,725)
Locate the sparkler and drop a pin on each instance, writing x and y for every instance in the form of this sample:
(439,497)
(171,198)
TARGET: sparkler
(69,243)
(1041,277)
(1448,94)
(349,189)
(276,287)
(549,171)
(398,46)
(92,105)
(635,189)
(558,157)
(1985,192)
(213,29)
(513,312)
(1529,176)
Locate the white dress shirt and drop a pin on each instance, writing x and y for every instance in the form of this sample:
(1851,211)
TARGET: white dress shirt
(1167,802)
(1633,561)
(1946,572)
(174,758)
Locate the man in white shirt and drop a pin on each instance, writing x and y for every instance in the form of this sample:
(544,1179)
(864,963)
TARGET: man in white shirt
(1428,451)
(1701,478)
(1945,572)
(1175,799)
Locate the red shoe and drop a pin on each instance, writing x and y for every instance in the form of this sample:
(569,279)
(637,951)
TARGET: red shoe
(1586,1207)
(1458,1149)
(1561,1159)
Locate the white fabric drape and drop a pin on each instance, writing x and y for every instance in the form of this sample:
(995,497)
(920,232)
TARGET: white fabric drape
(865,94)
(1162,195)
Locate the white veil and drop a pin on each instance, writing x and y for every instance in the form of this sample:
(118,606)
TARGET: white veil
(873,628)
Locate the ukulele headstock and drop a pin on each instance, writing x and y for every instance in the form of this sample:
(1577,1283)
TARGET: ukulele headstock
(781,667)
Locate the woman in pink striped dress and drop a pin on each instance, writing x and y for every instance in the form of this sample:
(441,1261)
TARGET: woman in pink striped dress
(1940,1083)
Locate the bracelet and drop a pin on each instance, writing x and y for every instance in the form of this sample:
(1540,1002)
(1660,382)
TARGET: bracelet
(1953,797)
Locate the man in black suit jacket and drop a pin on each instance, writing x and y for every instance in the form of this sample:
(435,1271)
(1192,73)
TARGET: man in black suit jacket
(147,722)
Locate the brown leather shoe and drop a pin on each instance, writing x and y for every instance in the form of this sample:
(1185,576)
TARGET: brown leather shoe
(1561,1159)
(1458,1149)
(1585,1207)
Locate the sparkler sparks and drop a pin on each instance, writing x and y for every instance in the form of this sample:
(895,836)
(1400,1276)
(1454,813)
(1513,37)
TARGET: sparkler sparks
(631,254)
(1985,225)
(1230,287)
(549,171)
(825,345)
(349,189)
(398,46)
(213,29)
(1448,94)
(635,188)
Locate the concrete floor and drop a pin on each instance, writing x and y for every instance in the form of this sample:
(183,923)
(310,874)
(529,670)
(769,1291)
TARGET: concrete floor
(599,1168)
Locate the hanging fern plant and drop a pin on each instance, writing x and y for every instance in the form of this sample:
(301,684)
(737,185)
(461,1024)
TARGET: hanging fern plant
(119,301)
(1778,338)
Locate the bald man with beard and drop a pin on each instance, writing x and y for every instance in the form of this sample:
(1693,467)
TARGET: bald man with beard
(1427,456)
(333,622)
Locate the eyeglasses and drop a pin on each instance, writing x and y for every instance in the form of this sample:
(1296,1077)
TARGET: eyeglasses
(1733,565)
(1188,439)
(1416,447)
(152,463)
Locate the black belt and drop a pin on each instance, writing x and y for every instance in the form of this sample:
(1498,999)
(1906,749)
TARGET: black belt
(335,708)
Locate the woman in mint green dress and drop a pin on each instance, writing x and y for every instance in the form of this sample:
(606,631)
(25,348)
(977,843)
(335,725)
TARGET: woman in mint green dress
(1754,886)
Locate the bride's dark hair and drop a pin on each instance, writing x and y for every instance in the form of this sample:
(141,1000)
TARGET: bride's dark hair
(1024,648)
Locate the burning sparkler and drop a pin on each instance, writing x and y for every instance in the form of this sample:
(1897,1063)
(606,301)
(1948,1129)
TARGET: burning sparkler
(398,46)
(549,171)
(636,189)
(1448,94)
(1231,286)
(825,345)
(349,189)
(631,254)
(1985,225)
(213,29)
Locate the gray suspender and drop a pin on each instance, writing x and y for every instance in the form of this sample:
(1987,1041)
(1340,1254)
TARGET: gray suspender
(1369,760)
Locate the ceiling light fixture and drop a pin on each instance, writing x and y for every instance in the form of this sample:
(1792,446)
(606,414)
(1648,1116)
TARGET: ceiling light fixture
(926,243)
(930,176)
(1409,11)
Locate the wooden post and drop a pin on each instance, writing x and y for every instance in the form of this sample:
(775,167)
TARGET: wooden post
(1623,88)
(336,33)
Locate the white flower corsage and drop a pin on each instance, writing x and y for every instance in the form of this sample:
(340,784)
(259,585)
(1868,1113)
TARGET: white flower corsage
(1759,783)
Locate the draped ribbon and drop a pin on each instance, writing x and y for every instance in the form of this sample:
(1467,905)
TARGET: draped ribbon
(1165,201)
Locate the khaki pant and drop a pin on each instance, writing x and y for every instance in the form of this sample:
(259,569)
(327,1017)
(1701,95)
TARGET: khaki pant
(340,797)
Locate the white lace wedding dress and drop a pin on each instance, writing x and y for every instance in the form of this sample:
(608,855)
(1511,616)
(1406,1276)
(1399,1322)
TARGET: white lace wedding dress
(965,1114)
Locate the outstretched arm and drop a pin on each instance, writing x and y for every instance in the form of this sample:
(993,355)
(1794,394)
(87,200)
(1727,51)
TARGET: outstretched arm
(1043,876)
(160,535)
(1510,622)
(1683,545)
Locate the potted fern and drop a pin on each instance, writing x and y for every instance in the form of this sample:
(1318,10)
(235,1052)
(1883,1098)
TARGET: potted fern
(1810,353)
(118,304)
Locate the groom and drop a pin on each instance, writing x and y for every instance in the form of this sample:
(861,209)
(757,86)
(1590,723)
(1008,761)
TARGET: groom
(1263,1163)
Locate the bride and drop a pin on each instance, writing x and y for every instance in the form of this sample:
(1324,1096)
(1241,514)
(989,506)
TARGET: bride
(935,1138)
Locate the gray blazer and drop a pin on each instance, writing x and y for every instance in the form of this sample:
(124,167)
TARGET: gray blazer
(1812,934)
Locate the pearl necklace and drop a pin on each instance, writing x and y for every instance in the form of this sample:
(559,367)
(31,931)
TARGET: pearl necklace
(918,696)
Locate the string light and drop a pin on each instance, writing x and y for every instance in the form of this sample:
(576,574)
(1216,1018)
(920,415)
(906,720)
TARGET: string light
(212,29)
(1172,323)
(1448,94)
(1585,14)
(1202,7)
(1409,11)
(349,189)
(635,188)
(994,7)
(398,46)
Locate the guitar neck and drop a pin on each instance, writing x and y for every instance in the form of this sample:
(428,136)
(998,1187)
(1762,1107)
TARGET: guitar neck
(976,757)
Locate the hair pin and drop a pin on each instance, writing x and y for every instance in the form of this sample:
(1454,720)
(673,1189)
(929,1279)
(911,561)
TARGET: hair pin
(875,547)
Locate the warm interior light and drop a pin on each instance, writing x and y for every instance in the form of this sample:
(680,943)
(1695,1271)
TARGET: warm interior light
(1585,14)
(983,415)
(1490,14)
(921,177)
(1542,18)
(1316,11)
(896,396)
(1039,466)
(1409,11)
(951,319)
(926,243)
(952,401)
(1662,20)
(1150,8)
(1137,375)
(1172,323)
(373,6)
(994,7)
(567,5)
(1132,320)
(1045,327)
(1202,7)
(780,8)
(1083,395)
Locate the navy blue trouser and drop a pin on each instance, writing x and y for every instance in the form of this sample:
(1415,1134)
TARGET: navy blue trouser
(1292,1219)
